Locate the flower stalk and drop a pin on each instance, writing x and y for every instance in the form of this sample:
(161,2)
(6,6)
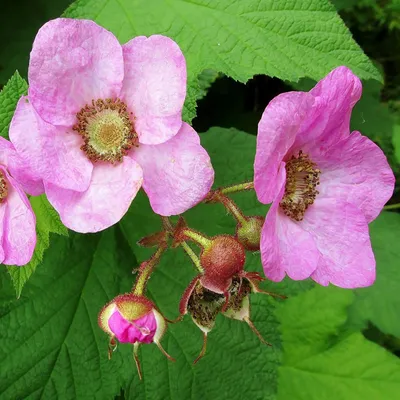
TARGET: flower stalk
(170,230)
(238,188)
(231,207)
(145,271)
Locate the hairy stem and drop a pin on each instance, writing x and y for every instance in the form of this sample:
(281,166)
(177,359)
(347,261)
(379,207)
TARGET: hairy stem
(167,224)
(198,238)
(238,188)
(169,228)
(231,207)
(192,256)
(145,270)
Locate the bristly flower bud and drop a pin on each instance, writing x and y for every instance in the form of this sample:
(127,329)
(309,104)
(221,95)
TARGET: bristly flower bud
(134,319)
(221,260)
(248,232)
(221,257)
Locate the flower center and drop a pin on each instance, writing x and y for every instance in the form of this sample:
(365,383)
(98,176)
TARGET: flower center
(3,188)
(107,130)
(302,178)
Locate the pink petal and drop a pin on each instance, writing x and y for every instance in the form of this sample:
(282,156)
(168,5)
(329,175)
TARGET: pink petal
(23,174)
(340,231)
(104,203)
(286,247)
(73,62)
(154,86)
(176,174)
(19,232)
(51,152)
(277,130)
(329,121)
(141,330)
(357,172)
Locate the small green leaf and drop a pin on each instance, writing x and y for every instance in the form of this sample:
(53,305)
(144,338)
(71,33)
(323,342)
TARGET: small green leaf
(9,96)
(284,39)
(317,365)
(47,221)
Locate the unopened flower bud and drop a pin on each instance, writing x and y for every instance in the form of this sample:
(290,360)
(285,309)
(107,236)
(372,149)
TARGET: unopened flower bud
(221,257)
(134,319)
(249,232)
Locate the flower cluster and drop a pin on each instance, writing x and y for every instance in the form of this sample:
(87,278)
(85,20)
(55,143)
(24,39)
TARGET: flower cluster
(102,120)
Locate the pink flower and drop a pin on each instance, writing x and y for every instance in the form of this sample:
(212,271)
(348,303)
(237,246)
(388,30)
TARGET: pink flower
(326,185)
(131,319)
(134,319)
(17,220)
(102,119)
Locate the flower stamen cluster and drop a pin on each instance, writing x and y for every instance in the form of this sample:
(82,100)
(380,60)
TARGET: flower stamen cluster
(3,188)
(107,130)
(302,178)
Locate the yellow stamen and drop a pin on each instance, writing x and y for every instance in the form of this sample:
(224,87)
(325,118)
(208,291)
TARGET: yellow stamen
(302,178)
(107,130)
(3,187)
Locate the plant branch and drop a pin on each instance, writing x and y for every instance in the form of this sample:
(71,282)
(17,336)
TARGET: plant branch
(237,188)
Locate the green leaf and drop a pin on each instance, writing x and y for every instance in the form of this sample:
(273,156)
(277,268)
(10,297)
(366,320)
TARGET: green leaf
(206,79)
(396,141)
(9,96)
(51,345)
(316,365)
(47,221)
(313,322)
(380,303)
(288,40)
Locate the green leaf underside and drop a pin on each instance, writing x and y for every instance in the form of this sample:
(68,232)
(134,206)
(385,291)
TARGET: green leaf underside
(62,353)
(9,96)
(47,221)
(286,39)
(318,366)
